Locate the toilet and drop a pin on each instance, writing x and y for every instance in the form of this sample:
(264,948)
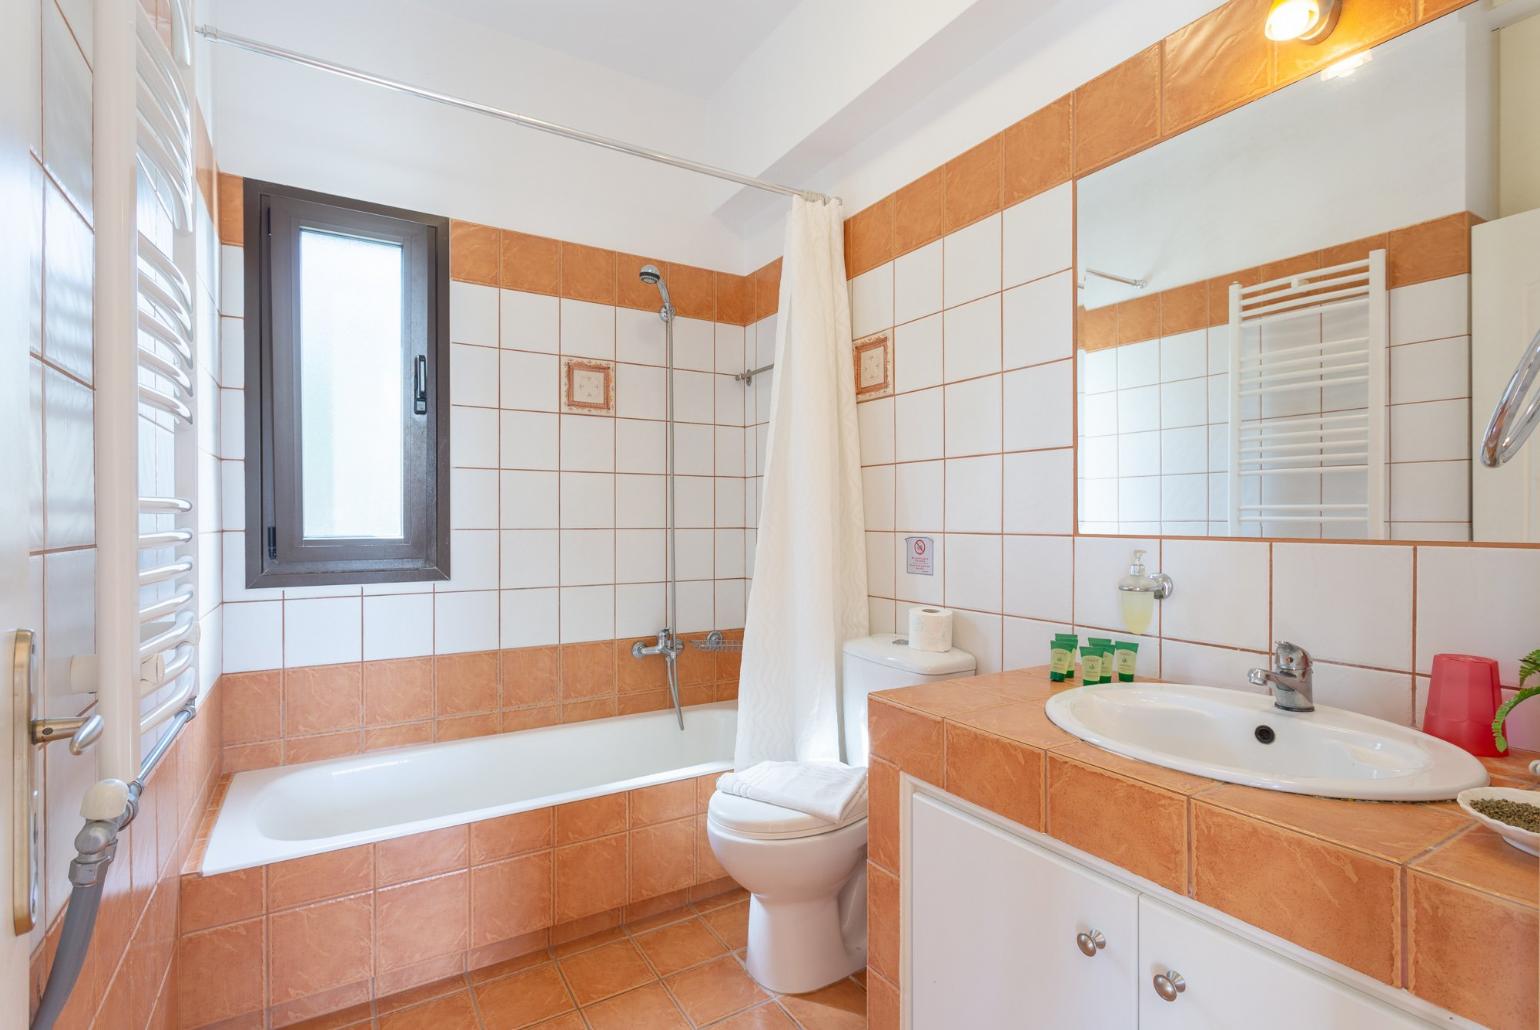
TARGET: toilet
(807,877)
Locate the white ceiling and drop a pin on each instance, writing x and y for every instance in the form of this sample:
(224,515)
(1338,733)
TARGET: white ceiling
(685,45)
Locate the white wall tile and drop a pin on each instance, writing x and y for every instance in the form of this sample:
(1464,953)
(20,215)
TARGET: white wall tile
(1207,666)
(587,613)
(1221,592)
(527,440)
(981,634)
(918,426)
(472,437)
(529,558)
(587,500)
(1138,364)
(323,631)
(1476,600)
(693,502)
(973,417)
(1039,492)
(694,344)
(639,446)
(232,420)
(641,556)
(587,557)
(473,499)
(1039,235)
(473,561)
(473,314)
(1430,431)
(1345,603)
(529,322)
(1039,577)
(639,337)
(917,283)
(694,397)
(730,350)
(587,443)
(921,588)
(917,354)
(877,496)
(1430,371)
(1027,641)
(528,500)
(1432,310)
(587,330)
(875,419)
(465,621)
(1184,356)
(473,375)
(640,501)
(871,301)
(1383,695)
(1039,410)
(530,381)
(880,554)
(398,626)
(232,281)
(528,618)
(640,610)
(971,262)
(973,494)
(972,339)
(919,496)
(1435,491)
(1038,321)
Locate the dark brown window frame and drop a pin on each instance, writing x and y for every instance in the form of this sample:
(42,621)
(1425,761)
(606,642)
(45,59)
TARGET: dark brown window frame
(276,555)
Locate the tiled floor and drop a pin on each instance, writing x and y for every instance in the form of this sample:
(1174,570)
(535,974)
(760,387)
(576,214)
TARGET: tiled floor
(677,971)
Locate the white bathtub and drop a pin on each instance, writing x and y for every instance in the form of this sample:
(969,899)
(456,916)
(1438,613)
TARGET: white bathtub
(270,815)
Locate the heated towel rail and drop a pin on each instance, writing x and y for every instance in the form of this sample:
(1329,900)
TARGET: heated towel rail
(1308,398)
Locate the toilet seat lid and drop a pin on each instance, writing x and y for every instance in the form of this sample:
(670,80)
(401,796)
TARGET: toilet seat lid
(761,821)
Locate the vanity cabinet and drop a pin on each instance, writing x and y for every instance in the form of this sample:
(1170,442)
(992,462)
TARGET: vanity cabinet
(1006,934)
(1003,933)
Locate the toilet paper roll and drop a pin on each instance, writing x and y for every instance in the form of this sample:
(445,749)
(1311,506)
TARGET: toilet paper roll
(930,629)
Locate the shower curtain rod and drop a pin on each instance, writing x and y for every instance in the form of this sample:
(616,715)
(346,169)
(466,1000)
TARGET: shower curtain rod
(257,47)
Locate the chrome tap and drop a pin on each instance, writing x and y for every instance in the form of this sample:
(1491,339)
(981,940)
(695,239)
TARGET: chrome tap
(669,646)
(1291,678)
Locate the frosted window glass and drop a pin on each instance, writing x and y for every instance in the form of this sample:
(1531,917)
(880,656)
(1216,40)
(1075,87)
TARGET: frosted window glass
(351,392)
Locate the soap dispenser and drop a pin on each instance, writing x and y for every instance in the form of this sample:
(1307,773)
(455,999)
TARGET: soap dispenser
(1138,591)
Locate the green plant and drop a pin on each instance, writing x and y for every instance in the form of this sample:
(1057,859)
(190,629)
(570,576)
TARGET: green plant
(1529,666)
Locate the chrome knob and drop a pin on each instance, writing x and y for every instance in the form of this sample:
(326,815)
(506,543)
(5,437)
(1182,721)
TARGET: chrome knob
(1169,984)
(1090,942)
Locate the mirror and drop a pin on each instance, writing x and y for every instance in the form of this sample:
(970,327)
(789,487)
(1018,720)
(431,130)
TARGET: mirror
(1274,328)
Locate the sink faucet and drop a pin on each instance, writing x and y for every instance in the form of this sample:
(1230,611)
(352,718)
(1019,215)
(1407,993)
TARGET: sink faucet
(1291,678)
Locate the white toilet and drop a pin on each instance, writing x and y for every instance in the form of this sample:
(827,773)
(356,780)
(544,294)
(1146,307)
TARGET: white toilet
(807,877)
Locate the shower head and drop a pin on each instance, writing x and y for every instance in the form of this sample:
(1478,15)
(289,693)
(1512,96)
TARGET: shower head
(650,275)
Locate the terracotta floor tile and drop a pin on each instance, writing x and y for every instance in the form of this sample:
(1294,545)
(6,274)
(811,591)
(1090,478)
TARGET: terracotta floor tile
(506,967)
(357,1015)
(646,1008)
(653,922)
(605,972)
(714,990)
(680,946)
(523,999)
(452,1012)
(731,923)
(417,995)
(768,1016)
(839,1006)
(567,1021)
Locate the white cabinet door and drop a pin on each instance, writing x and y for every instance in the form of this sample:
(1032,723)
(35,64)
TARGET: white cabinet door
(993,926)
(1229,982)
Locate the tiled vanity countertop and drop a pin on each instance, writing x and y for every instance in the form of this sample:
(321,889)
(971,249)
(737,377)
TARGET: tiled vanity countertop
(1414,894)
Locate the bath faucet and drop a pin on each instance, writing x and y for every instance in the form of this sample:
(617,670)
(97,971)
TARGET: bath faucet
(1291,678)
(669,646)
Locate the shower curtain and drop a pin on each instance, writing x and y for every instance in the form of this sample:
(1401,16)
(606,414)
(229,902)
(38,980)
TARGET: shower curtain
(808,594)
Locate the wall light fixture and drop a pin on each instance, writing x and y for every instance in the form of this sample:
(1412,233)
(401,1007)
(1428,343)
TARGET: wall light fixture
(1308,21)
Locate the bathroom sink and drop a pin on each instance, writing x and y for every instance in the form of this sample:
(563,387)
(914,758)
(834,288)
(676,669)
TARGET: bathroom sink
(1240,737)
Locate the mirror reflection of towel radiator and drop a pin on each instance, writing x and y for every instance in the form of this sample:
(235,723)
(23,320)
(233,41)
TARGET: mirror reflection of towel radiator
(1510,427)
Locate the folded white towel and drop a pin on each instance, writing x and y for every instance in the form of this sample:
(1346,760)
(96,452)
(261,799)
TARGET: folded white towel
(829,790)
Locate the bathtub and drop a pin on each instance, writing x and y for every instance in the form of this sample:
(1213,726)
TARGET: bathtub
(270,815)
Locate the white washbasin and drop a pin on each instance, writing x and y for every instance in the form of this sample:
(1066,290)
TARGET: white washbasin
(1214,732)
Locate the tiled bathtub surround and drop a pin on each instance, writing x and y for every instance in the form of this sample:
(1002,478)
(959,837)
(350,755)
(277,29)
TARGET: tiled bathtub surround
(1400,892)
(557,518)
(315,935)
(1153,396)
(307,713)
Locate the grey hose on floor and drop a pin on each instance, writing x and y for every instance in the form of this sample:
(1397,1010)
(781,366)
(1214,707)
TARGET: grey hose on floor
(96,844)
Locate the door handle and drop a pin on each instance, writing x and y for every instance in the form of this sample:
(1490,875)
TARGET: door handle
(420,385)
(1090,942)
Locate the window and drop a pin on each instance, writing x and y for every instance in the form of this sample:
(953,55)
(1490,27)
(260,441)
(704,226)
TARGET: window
(347,391)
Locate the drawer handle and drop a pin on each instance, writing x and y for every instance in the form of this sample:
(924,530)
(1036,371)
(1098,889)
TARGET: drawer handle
(1090,942)
(1169,984)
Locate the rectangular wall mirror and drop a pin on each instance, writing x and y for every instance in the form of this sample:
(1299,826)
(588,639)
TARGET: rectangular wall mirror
(1275,309)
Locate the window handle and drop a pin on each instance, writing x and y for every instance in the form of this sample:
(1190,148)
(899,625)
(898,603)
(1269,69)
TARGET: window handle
(420,385)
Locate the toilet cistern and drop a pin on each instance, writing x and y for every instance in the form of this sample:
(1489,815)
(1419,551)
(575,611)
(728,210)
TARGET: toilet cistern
(1137,593)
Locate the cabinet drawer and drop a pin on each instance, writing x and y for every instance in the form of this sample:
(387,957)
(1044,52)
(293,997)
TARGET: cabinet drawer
(993,931)
(1229,982)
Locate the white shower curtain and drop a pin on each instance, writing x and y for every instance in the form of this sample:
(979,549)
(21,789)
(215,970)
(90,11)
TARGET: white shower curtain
(809,589)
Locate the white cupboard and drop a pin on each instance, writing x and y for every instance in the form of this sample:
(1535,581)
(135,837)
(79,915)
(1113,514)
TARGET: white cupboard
(1002,933)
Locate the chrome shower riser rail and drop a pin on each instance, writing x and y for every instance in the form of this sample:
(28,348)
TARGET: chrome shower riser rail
(527,121)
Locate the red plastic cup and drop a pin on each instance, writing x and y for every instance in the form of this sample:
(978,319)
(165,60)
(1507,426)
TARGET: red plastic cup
(1463,697)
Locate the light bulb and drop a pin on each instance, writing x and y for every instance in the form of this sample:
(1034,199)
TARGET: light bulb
(1291,19)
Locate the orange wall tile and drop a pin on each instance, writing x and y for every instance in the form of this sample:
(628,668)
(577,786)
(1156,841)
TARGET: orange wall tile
(474,253)
(1118,112)
(919,212)
(1135,825)
(973,184)
(587,273)
(1361,24)
(1218,62)
(869,238)
(530,263)
(230,197)
(1038,151)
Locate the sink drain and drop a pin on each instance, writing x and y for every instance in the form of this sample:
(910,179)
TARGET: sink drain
(1265,734)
